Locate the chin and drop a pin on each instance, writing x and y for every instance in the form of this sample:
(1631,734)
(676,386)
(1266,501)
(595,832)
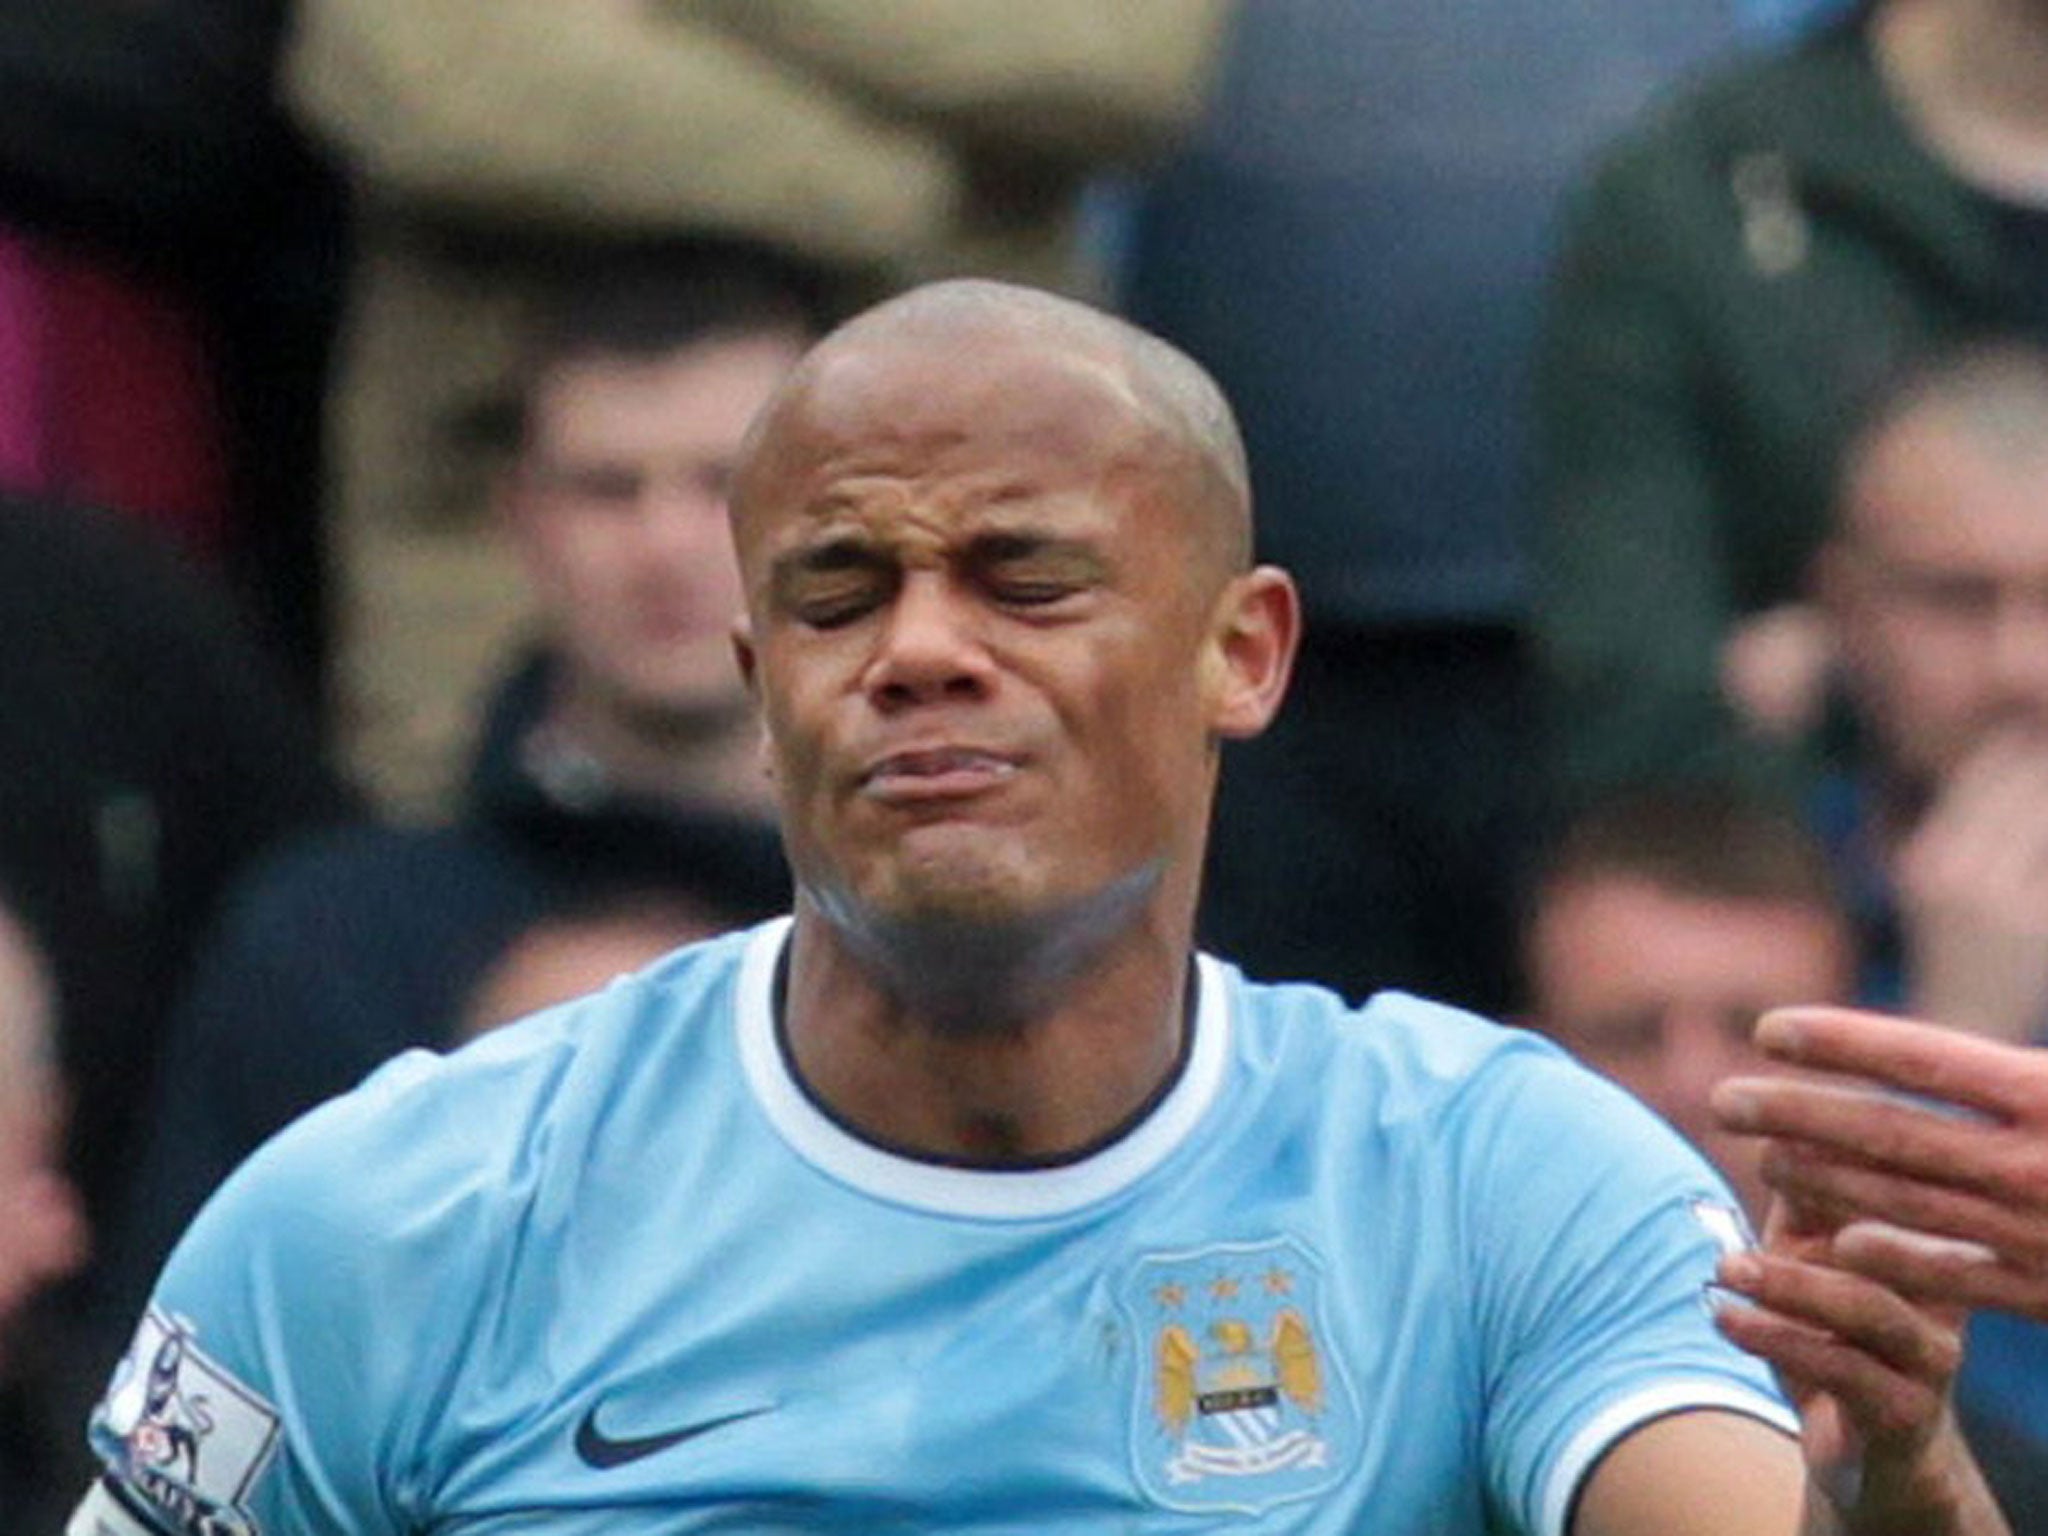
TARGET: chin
(961,892)
(963,901)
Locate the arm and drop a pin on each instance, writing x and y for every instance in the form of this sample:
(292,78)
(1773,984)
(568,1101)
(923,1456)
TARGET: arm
(609,113)
(1070,77)
(1873,1375)
(1696,1474)
(1965,1168)
(1596,1332)
(304,1350)
(1712,1474)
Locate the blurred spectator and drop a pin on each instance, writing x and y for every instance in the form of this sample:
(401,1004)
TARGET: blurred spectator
(41,1227)
(171,255)
(620,769)
(146,756)
(1744,268)
(1935,581)
(1662,925)
(1354,244)
(42,1224)
(886,136)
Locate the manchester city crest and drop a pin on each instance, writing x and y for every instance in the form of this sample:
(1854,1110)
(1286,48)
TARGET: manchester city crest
(1238,1403)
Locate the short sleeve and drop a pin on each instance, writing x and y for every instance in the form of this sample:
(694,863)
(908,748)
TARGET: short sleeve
(278,1379)
(1593,1231)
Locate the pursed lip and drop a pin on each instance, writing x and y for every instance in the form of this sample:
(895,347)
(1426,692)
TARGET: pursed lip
(937,773)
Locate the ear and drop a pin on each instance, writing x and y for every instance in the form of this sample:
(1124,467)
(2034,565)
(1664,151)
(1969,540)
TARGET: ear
(747,659)
(743,654)
(1249,653)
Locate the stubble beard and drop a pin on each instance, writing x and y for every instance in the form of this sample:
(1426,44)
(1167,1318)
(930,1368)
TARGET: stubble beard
(976,967)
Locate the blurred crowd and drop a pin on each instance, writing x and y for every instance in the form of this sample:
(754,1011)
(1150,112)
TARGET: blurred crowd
(1651,400)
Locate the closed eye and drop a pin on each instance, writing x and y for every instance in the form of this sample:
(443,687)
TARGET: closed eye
(1027,571)
(832,585)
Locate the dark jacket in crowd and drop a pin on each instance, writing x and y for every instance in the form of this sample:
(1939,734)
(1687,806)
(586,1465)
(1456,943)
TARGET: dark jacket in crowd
(1743,272)
(152,134)
(147,755)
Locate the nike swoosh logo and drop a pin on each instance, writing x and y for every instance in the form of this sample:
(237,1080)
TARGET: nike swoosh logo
(601,1451)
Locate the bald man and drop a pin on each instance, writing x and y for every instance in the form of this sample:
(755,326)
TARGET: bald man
(968,1197)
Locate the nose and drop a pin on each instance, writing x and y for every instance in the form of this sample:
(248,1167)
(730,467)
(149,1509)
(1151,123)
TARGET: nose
(927,649)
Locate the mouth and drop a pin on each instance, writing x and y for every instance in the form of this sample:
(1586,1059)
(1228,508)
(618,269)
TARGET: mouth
(936,773)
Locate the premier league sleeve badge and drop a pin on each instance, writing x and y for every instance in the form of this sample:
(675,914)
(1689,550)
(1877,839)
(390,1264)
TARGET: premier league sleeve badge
(181,1437)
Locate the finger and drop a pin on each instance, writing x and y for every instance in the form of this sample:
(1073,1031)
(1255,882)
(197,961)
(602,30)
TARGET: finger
(2007,1082)
(1836,1193)
(1959,1274)
(1885,1406)
(1874,1127)
(1904,1339)
(1796,1230)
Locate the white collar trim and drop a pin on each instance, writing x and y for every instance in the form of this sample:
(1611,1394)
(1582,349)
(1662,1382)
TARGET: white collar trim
(991,1194)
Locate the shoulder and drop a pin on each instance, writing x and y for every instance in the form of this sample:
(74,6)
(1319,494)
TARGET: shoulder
(487,1127)
(1411,1044)
(1479,1095)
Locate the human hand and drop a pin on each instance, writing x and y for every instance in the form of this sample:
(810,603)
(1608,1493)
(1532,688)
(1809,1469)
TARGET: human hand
(1774,669)
(1943,1197)
(1972,881)
(1872,1375)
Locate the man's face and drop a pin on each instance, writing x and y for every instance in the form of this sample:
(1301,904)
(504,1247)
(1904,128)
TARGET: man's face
(618,513)
(981,632)
(42,1229)
(1938,586)
(1659,990)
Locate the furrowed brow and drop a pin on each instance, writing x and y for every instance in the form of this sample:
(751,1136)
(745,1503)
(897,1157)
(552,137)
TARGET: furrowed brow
(1074,558)
(831,557)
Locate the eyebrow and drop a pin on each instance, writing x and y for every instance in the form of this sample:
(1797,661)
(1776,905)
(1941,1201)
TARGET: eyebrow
(831,556)
(1078,557)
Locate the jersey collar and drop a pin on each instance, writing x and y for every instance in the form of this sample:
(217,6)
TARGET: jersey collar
(988,1194)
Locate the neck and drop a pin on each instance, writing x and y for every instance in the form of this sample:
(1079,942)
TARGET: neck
(707,760)
(1067,1043)
(1972,75)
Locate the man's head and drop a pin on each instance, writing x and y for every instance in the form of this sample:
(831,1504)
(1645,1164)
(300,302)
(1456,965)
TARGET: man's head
(645,369)
(1936,577)
(42,1227)
(1663,925)
(996,550)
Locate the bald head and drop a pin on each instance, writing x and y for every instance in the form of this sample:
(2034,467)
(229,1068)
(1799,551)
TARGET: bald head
(1994,392)
(1936,578)
(969,334)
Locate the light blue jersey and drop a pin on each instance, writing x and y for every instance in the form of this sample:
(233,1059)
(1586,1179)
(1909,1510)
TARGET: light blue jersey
(610,1272)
